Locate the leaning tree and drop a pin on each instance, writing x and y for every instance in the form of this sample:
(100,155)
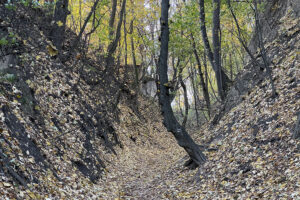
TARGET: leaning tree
(183,138)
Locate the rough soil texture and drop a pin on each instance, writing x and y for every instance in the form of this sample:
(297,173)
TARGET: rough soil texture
(67,135)
(251,152)
(140,166)
(256,156)
(67,130)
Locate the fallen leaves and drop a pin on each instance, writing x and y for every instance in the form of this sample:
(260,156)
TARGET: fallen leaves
(6,184)
(52,50)
(59,23)
(255,157)
(58,120)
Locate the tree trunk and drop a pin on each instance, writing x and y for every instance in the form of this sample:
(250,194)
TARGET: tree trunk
(231,67)
(87,20)
(57,33)
(170,122)
(112,19)
(136,70)
(192,77)
(186,101)
(296,132)
(240,36)
(203,84)
(113,45)
(125,38)
(214,58)
(263,51)
(174,86)
(217,49)
(180,109)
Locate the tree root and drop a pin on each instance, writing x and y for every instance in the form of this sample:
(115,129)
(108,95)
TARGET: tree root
(191,164)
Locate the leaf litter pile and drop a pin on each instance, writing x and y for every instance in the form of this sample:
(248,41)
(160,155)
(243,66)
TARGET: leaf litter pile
(67,131)
(251,152)
(67,135)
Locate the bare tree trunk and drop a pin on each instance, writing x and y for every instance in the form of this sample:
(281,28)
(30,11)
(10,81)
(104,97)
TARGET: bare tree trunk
(240,36)
(180,108)
(296,132)
(80,14)
(87,20)
(58,30)
(186,102)
(205,68)
(113,45)
(136,70)
(112,19)
(213,90)
(203,84)
(217,49)
(263,50)
(206,83)
(125,38)
(231,67)
(214,58)
(119,53)
(172,125)
(192,77)
(175,80)
(236,62)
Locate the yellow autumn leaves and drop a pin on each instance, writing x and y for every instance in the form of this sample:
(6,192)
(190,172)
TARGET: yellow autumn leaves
(52,50)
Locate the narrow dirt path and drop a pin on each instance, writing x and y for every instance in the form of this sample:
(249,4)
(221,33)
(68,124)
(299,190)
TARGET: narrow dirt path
(140,167)
(137,171)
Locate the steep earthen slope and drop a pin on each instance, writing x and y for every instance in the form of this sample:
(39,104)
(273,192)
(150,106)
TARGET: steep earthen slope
(255,156)
(68,131)
(61,125)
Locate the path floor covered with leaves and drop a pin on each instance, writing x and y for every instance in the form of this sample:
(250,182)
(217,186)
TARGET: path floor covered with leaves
(57,134)
(251,152)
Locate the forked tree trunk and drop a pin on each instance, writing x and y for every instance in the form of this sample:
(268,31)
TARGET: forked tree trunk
(170,122)
(240,36)
(82,28)
(114,43)
(214,58)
